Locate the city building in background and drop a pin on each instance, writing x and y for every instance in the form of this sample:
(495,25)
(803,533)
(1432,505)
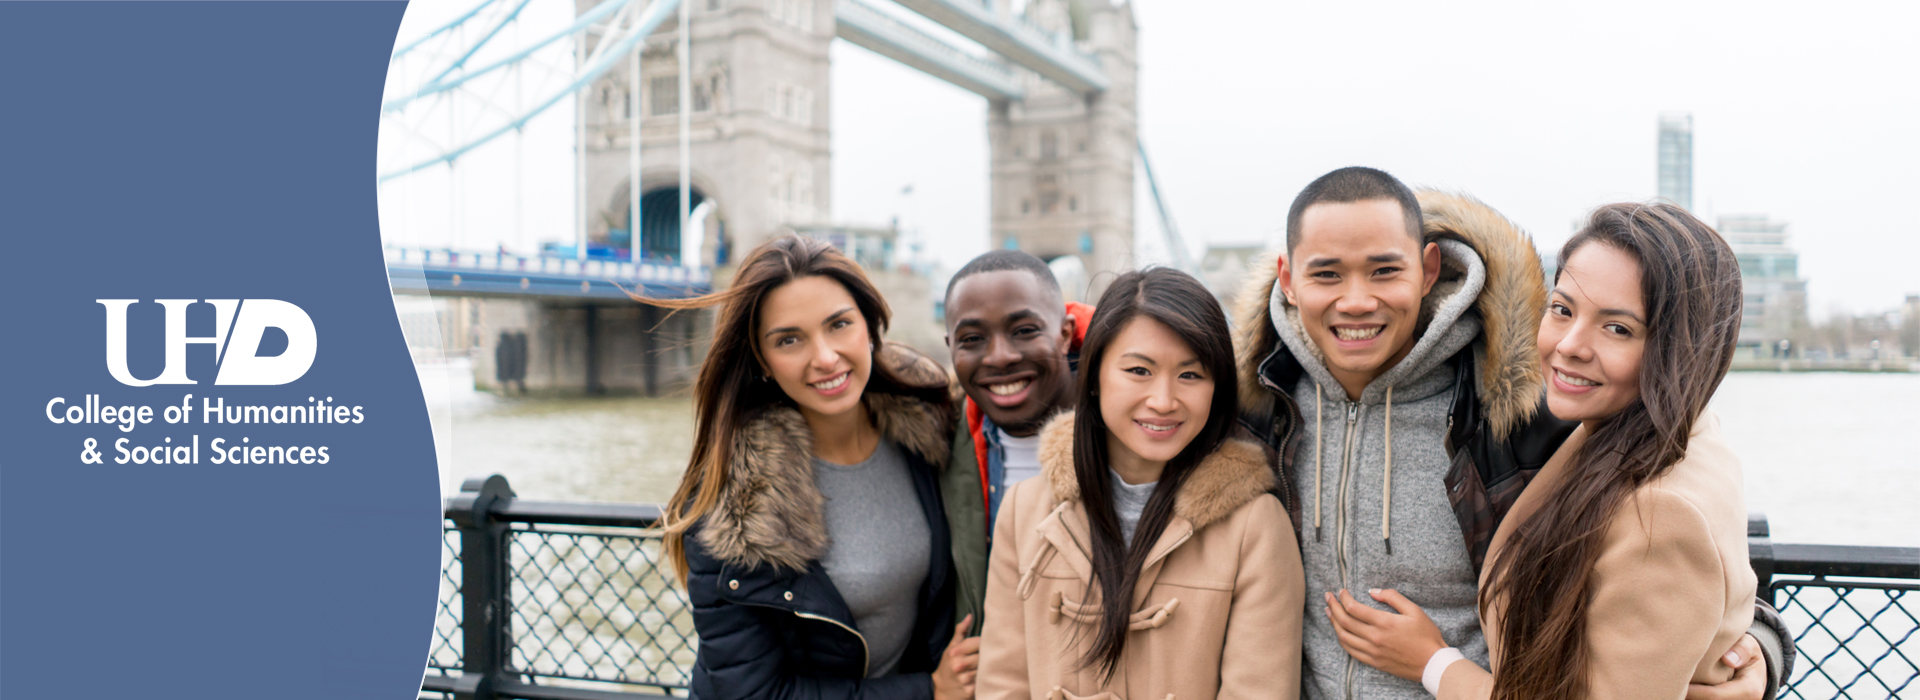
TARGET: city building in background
(1676,158)
(1062,158)
(1910,326)
(1776,295)
(1224,268)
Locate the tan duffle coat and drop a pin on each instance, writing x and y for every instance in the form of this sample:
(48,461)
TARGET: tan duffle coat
(1216,611)
(1672,590)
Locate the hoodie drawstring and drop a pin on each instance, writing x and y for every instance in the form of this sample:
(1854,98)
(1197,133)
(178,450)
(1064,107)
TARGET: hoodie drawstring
(1318,456)
(1386,488)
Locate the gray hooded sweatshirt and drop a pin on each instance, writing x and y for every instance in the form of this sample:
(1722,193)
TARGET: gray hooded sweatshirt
(1370,477)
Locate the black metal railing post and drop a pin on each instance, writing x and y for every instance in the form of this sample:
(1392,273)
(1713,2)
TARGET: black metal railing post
(1760,555)
(485,576)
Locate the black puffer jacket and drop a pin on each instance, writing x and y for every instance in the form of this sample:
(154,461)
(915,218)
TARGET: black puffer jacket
(771,623)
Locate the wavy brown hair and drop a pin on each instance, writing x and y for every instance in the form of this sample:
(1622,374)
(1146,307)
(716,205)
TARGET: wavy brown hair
(1690,285)
(732,387)
(1179,302)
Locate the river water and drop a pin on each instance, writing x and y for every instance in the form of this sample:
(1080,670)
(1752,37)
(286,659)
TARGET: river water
(1831,458)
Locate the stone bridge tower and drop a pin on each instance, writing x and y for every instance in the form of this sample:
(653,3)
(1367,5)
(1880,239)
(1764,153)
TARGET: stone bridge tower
(1063,162)
(760,131)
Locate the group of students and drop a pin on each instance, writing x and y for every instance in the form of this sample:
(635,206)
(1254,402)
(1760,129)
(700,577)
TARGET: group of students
(1405,468)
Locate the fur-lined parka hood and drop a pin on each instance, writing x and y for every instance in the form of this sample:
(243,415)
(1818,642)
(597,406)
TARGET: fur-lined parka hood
(770,511)
(1508,308)
(1233,475)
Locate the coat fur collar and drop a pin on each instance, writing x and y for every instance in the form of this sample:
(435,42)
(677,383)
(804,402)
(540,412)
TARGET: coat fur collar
(1225,480)
(770,511)
(1509,307)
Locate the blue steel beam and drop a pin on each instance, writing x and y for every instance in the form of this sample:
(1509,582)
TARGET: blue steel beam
(649,20)
(588,18)
(502,24)
(462,19)
(863,25)
(1176,245)
(1054,59)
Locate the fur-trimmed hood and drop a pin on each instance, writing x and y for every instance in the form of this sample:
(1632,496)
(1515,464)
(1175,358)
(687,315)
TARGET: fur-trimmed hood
(1234,474)
(1508,308)
(770,511)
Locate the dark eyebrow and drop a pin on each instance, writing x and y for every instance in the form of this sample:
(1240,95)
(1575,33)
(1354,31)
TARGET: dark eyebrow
(1387,257)
(1606,312)
(1322,261)
(796,329)
(1012,318)
(836,315)
(1149,360)
(1623,312)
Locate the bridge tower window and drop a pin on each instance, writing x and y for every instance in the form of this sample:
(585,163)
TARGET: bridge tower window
(665,97)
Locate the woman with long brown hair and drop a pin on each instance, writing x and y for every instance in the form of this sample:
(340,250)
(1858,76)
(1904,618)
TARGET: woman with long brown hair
(1621,572)
(808,528)
(1150,558)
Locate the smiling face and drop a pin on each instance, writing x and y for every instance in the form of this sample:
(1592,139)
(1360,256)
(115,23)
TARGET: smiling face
(1010,335)
(1155,396)
(1358,276)
(1593,335)
(815,345)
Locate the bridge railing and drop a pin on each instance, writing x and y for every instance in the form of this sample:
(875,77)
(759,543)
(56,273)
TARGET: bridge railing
(552,600)
(557,601)
(547,265)
(1855,613)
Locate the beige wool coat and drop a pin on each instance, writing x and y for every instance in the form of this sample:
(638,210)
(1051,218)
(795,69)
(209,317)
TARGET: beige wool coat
(1216,610)
(1672,590)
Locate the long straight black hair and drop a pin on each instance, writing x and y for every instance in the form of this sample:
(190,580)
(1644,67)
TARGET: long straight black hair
(1180,303)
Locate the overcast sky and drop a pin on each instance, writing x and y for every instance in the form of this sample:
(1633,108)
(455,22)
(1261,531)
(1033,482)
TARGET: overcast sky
(1541,110)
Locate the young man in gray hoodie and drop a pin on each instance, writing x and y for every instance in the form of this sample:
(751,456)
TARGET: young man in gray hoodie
(1390,358)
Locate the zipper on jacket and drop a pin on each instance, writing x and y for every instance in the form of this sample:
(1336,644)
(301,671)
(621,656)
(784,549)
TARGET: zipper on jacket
(1340,516)
(1340,519)
(866,654)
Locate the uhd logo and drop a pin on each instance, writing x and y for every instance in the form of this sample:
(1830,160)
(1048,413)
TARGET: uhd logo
(235,341)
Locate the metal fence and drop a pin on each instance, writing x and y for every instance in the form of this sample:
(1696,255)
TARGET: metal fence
(1855,613)
(574,602)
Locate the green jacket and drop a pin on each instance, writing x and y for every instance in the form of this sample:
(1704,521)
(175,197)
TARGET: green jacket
(962,490)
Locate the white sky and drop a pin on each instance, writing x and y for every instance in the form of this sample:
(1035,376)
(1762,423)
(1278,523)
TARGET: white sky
(1542,110)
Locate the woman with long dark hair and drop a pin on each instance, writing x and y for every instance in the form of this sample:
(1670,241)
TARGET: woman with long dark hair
(1150,559)
(1621,572)
(808,528)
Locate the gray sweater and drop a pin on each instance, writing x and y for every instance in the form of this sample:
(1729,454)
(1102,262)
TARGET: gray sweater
(878,548)
(1348,512)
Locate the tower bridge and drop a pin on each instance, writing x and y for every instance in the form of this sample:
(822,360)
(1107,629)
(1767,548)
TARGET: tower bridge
(719,111)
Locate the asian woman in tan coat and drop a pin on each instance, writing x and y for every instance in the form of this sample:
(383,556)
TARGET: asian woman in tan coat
(1149,560)
(1622,571)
